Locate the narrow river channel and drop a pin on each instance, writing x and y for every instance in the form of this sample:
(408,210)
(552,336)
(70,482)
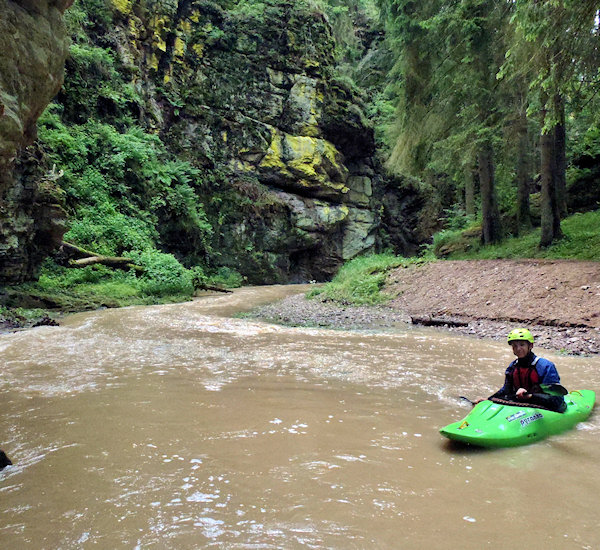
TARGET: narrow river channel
(184,427)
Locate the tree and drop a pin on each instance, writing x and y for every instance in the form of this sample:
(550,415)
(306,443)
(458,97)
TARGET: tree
(565,38)
(449,55)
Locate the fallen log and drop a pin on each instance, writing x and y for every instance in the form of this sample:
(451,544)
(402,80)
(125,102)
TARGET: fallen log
(86,257)
(109,261)
(74,250)
(213,288)
(437,322)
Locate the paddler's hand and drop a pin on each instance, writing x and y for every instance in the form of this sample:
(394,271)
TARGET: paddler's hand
(523,394)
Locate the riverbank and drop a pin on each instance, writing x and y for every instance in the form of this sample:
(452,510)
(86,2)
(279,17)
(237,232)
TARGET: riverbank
(559,300)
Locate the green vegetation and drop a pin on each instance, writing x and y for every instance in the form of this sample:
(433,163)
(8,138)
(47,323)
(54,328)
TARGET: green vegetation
(61,289)
(126,196)
(494,100)
(470,101)
(581,241)
(360,280)
(124,191)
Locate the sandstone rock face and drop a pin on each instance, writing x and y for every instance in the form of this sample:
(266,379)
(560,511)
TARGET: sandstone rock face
(34,46)
(248,97)
(256,100)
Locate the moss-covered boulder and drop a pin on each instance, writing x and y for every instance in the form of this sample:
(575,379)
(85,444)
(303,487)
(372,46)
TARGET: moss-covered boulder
(308,165)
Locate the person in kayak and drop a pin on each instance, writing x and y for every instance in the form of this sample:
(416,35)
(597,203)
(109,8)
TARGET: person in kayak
(525,376)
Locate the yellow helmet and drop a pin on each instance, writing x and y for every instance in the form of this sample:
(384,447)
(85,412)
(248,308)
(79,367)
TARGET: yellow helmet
(520,334)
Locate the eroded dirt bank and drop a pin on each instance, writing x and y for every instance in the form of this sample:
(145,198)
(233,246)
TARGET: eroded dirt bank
(559,300)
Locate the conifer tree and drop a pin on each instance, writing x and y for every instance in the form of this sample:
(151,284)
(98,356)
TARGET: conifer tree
(448,59)
(564,34)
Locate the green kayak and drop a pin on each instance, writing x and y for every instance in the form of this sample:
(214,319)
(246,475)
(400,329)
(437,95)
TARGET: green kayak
(496,425)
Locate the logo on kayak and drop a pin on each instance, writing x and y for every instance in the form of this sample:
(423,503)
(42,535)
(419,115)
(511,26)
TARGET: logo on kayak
(531,419)
(516,416)
(463,425)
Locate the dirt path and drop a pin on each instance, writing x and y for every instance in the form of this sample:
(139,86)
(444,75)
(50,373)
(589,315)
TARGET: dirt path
(555,293)
(558,300)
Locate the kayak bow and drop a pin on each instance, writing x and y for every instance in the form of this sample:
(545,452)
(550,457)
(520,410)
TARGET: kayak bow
(495,425)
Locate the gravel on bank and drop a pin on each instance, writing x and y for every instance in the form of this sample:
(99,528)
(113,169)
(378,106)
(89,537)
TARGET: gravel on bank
(297,310)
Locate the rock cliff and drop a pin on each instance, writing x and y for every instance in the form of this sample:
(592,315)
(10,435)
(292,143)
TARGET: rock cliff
(245,92)
(34,45)
(254,97)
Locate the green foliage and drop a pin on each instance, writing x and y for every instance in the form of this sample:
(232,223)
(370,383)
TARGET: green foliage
(88,288)
(447,242)
(468,72)
(581,242)
(382,111)
(360,280)
(163,274)
(88,19)
(165,280)
(226,277)
(55,277)
(16,316)
(249,8)
(93,85)
(124,190)
(107,231)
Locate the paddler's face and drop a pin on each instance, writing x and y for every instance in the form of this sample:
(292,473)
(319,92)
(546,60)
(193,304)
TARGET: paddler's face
(521,348)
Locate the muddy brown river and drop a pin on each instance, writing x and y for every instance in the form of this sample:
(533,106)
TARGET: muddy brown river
(184,427)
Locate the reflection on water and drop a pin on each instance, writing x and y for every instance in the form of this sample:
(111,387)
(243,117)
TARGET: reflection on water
(182,427)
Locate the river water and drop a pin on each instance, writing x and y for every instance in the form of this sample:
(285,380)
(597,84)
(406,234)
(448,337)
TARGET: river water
(181,426)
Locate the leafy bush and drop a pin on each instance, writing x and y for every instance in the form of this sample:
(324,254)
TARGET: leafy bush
(227,278)
(360,280)
(163,274)
(124,191)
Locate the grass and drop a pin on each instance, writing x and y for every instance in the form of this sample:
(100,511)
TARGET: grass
(360,280)
(581,241)
(64,290)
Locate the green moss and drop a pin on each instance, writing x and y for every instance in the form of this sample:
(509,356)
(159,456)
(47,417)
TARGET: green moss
(122,6)
(305,160)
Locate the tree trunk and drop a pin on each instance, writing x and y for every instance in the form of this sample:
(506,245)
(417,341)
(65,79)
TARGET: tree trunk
(84,257)
(469,191)
(560,144)
(489,207)
(523,176)
(550,223)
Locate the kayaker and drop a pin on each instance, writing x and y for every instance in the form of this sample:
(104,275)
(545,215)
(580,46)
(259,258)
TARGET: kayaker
(526,374)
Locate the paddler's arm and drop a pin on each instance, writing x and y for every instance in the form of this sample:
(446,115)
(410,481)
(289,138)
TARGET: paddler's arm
(501,393)
(505,390)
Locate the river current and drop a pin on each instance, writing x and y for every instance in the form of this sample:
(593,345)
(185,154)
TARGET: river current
(182,426)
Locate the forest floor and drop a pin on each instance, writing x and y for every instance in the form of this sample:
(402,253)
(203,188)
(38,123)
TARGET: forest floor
(558,300)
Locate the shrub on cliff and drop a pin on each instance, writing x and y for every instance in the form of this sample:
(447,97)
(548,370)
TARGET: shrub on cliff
(123,189)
